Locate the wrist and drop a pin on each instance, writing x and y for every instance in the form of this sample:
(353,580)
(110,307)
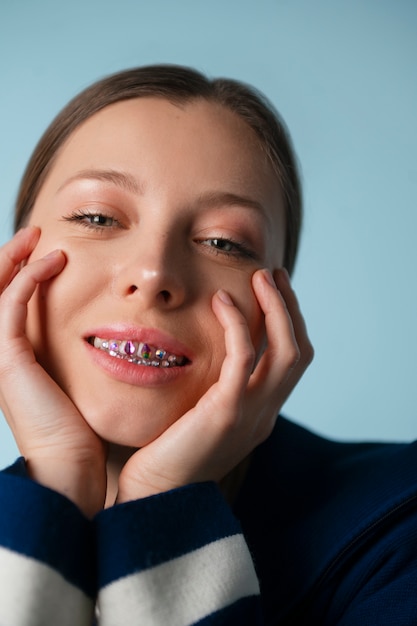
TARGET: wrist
(82,482)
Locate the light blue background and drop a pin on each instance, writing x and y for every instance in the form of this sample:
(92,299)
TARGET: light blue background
(343,74)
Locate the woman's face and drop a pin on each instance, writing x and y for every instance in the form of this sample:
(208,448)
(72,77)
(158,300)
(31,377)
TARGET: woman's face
(156,207)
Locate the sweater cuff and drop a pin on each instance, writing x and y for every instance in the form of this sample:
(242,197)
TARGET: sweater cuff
(176,557)
(41,524)
(137,535)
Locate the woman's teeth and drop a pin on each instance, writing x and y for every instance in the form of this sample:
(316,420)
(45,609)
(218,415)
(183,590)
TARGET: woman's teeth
(137,352)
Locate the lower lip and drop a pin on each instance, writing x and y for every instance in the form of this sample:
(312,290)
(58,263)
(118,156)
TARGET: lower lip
(132,374)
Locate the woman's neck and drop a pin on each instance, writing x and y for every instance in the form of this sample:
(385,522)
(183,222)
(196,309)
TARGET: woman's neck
(117,457)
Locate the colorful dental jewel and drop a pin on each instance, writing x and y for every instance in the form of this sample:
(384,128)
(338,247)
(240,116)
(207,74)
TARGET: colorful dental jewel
(113,348)
(138,353)
(130,348)
(146,351)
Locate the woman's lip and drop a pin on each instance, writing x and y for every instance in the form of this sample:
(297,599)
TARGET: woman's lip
(152,336)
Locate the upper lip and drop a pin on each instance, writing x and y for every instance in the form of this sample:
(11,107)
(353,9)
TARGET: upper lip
(152,336)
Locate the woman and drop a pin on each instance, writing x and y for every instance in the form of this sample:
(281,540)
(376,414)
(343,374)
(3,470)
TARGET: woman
(150,338)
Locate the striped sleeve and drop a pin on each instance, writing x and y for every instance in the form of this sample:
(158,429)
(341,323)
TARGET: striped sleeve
(178,558)
(47,572)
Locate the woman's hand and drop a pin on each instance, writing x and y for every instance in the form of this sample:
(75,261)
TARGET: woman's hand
(239,411)
(61,450)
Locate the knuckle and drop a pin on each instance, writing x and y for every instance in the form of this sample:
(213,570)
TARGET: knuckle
(307,354)
(292,357)
(247,356)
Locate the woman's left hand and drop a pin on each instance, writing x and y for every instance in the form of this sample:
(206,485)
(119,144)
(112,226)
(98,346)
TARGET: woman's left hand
(239,411)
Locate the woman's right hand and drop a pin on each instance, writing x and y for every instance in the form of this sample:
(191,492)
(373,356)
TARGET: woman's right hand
(62,452)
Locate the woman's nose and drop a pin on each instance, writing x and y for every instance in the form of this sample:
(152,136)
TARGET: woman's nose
(155,275)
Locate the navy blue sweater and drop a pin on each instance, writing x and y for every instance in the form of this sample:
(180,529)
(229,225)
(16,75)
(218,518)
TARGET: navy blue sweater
(332,528)
(322,533)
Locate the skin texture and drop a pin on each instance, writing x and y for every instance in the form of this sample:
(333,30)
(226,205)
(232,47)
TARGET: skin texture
(189,216)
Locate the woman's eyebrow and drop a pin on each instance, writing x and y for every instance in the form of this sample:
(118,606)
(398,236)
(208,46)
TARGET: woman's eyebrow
(121,179)
(128,182)
(225,198)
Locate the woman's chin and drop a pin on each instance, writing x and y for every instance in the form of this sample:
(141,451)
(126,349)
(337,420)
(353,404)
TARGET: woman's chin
(132,426)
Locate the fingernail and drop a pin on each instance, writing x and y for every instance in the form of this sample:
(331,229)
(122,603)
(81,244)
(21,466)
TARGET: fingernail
(24,230)
(224,297)
(52,254)
(269,278)
(285,275)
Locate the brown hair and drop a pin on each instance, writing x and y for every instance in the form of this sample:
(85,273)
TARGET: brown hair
(178,85)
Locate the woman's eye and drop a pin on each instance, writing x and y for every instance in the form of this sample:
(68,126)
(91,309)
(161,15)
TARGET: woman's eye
(229,247)
(221,244)
(101,220)
(93,220)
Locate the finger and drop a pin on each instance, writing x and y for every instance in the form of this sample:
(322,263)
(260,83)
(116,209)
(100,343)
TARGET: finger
(15,251)
(14,299)
(298,321)
(282,352)
(240,354)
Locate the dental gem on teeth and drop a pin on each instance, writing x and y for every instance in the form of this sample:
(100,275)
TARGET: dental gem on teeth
(146,351)
(138,353)
(129,348)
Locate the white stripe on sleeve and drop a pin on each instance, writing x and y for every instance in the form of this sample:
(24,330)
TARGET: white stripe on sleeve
(33,594)
(183,590)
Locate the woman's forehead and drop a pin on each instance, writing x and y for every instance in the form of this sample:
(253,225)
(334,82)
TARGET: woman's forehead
(202,135)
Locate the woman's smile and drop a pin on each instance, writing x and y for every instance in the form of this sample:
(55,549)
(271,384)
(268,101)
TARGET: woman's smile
(143,359)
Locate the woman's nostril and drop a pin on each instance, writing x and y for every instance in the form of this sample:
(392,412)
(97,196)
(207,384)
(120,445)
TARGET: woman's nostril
(165,294)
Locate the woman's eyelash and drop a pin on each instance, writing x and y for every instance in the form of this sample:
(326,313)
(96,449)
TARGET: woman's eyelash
(93,220)
(230,247)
